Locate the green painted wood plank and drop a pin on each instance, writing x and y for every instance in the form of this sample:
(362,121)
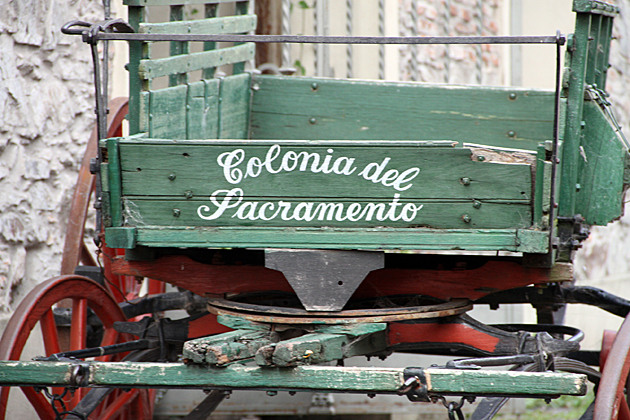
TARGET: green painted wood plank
(336,238)
(601,169)
(196,111)
(324,378)
(283,211)
(136,16)
(485,382)
(144,112)
(221,25)
(210,12)
(167,118)
(177,47)
(575,102)
(240,8)
(121,237)
(150,69)
(308,108)
(416,171)
(114,181)
(234,106)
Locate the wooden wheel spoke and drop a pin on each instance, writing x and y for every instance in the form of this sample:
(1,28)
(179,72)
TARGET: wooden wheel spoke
(40,403)
(78,327)
(49,332)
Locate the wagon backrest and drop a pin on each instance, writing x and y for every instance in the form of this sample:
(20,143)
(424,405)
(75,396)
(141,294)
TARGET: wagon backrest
(195,104)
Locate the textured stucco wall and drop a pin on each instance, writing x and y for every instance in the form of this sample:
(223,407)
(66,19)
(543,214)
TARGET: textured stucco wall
(46,115)
(465,64)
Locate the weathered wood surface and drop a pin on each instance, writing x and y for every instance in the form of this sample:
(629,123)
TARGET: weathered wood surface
(304,184)
(152,68)
(325,378)
(220,25)
(601,169)
(309,108)
(473,284)
(208,109)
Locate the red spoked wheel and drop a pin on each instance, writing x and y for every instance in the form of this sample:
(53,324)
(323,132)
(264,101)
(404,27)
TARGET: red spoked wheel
(37,308)
(611,401)
(75,250)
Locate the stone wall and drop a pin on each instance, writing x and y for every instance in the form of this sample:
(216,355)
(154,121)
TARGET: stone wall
(463,64)
(46,116)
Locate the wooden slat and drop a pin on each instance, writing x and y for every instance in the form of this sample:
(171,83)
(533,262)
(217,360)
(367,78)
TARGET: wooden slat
(167,118)
(442,215)
(332,238)
(304,108)
(601,169)
(440,171)
(234,105)
(150,69)
(325,378)
(221,25)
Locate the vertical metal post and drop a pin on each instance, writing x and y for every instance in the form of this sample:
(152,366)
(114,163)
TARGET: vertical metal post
(321,28)
(381,32)
(414,48)
(447,49)
(349,33)
(479,51)
(286,30)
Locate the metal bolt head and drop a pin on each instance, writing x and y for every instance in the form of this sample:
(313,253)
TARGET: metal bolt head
(481,158)
(313,120)
(272,393)
(466,218)
(465,181)
(511,133)
(314,86)
(172,177)
(512,96)
(477,204)
(177,212)
(188,194)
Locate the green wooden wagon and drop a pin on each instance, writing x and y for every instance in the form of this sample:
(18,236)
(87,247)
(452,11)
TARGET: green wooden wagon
(310,220)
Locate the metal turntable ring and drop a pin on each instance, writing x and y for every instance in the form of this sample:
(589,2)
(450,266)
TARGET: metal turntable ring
(280,315)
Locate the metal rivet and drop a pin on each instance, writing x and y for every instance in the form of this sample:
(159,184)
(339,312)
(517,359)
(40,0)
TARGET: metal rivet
(314,86)
(272,393)
(172,177)
(465,181)
(313,120)
(188,194)
(477,204)
(578,187)
(511,133)
(481,158)
(466,218)
(512,96)
(177,212)
(583,124)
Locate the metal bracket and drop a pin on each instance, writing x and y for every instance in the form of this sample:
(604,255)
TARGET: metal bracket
(415,385)
(324,280)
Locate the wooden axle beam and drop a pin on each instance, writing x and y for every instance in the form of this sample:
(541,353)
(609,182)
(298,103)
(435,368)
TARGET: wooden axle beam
(303,378)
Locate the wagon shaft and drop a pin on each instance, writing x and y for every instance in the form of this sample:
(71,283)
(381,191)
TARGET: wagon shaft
(304,378)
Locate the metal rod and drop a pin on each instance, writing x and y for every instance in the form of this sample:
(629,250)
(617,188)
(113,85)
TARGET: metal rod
(321,39)
(556,136)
